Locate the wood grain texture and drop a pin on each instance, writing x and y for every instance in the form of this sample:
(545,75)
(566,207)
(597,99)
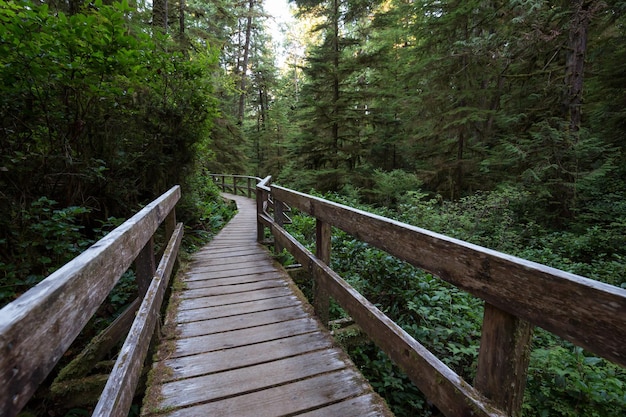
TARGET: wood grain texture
(246,356)
(246,307)
(245,344)
(363,406)
(240,279)
(234,298)
(503,359)
(243,337)
(584,311)
(323,247)
(233,288)
(287,399)
(37,328)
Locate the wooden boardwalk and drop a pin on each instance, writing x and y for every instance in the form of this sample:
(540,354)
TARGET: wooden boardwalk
(240,341)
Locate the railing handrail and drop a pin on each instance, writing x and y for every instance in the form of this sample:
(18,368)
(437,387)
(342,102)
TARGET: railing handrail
(249,188)
(581,311)
(517,293)
(38,328)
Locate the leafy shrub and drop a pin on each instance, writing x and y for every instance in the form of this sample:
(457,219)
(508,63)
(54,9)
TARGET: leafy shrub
(401,395)
(565,381)
(97,115)
(48,238)
(390,187)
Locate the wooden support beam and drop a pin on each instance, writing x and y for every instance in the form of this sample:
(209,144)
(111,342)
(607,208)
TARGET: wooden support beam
(503,359)
(145,267)
(170,224)
(279,220)
(260,229)
(321,301)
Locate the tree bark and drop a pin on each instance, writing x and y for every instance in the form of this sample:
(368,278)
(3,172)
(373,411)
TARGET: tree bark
(335,121)
(181,17)
(582,11)
(244,62)
(159,14)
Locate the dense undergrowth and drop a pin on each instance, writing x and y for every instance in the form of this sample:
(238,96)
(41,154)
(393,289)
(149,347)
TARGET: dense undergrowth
(563,379)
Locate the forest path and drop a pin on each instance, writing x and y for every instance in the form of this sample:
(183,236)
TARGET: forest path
(241,340)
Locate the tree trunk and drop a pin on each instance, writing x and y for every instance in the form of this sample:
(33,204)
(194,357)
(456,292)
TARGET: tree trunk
(335,121)
(159,14)
(263,107)
(181,17)
(244,62)
(582,11)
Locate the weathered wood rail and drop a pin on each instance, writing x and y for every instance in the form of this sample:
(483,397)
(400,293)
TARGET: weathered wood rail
(518,295)
(37,328)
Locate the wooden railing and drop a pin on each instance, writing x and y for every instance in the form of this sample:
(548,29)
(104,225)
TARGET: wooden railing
(518,295)
(37,328)
(236,184)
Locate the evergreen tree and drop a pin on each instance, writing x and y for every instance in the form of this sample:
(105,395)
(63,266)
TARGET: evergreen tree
(334,106)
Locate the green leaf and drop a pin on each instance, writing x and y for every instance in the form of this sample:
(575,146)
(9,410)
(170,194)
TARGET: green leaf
(592,360)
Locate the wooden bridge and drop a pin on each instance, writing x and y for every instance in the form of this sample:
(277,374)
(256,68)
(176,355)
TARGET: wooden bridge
(246,343)
(239,338)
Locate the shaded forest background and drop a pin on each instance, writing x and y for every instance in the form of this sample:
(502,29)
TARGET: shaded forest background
(497,122)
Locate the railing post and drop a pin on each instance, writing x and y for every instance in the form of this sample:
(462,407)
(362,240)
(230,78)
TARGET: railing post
(260,229)
(321,301)
(503,359)
(170,225)
(145,267)
(279,217)
(234,185)
(249,187)
(223,183)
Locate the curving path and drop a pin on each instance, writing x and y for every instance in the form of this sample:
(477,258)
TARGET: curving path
(240,340)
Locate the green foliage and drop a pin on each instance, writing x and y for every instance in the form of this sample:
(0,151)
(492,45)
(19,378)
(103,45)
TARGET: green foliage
(97,116)
(440,316)
(48,238)
(565,381)
(123,293)
(401,395)
(390,187)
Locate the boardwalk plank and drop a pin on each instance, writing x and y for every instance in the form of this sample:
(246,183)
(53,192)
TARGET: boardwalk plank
(235,309)
(232,262)
(241,279)
(225,384)
(242,321)
(242,337)
(239,357)
(200,274)
(284,399)
(363,406)
(191,303)
(226,253)
(235,288)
